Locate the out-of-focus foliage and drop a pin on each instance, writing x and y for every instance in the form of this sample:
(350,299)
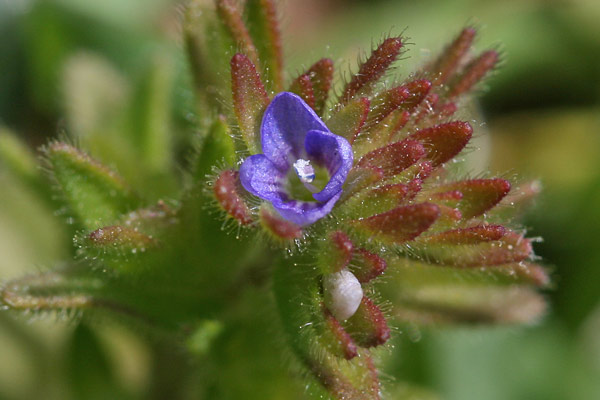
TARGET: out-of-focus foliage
(75,65)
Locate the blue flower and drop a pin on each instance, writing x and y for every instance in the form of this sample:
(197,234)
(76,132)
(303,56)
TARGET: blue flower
(303,166)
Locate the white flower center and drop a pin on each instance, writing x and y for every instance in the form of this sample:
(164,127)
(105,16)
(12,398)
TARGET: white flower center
(305,171)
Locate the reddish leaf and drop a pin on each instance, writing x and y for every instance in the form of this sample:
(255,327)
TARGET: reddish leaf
(510,248)
(393,158)
(336,252)
(249,100)
(343,344)
(321,76)
(367,266)
(386,102)
(371,70)
(227,192)
(534,273)
(447,110)
(418,91)
(444,141)
(233,22)
(303,87)
(474,72)
(368,326)
(119,237)
(449,61)
(472,235)
(278,227)
(479,195)
(400,224)
(523,194)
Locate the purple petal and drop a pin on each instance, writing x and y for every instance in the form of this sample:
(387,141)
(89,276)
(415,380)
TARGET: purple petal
(285,123)
(305,213)
(334,153)
(261,177)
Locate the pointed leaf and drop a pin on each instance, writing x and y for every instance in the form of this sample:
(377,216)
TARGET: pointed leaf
(228,192)
(360,178)
(366,265)
(473,235)
(232,20)
(94,194)
(368,326)
(449,61)
(393,158)
(150,113)
(478,195)
(384,103)
(249,100)
(444,141)
(209,47)
(321,76)
(428,294)
(349,120)
(418,91)
(278,227)
(264,29)
(342,345)
(118,241)
(400,224)
(474,72)
(477,251)
(217,147)
(335,253)
(383,198)
(49,291)
(382,134)
(303,87)
(373,69)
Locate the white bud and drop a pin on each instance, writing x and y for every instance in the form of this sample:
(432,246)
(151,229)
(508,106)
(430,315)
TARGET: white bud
(343,294)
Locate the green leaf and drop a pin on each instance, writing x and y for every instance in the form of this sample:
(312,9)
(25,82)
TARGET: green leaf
(17,157)
(150,113)
(428,294)
(298,297)
(210,47)
(264,29)
(217,148)
(349,120)
(95,195)
(89,371)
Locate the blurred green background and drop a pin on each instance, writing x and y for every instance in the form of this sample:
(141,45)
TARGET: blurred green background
(540,119)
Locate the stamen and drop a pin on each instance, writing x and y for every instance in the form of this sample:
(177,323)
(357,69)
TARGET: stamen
(305,171)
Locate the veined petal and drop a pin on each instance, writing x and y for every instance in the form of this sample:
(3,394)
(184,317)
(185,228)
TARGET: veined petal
(261,177)
(285,124)
(303,212)
(334,153)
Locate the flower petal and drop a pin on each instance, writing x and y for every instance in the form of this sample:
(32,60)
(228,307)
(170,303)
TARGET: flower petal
(305,213)
(261,177)
(285,123)
(334,153)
